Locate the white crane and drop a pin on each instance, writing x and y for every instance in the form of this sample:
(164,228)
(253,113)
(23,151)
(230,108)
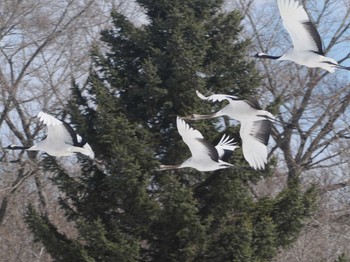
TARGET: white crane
(255,126)
(307,45)
(61,139)
(205,157)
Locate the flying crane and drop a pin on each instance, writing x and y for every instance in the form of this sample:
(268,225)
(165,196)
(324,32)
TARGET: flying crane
(255,125)
(307,47)
(61,139)
(205,157)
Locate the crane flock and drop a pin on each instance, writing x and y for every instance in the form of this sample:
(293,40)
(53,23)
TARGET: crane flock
(255,123)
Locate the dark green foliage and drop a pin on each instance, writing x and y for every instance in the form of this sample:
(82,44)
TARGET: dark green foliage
(231,241)
(178,234)
(122,207)
(265,240)
(289,220)
(58,245)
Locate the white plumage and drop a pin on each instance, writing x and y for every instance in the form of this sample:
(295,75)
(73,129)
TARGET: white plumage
(205,157)
(307,44)
(61,139)
(255,126)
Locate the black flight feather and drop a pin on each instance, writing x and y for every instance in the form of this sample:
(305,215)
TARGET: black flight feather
(253,103)
(263,130)
(212,152)
(227,155)
(73,135)
(311,28)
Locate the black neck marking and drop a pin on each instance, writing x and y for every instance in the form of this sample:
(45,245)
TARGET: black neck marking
(14,147)
(265,56)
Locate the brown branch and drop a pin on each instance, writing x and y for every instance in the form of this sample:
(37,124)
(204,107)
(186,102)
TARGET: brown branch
(326,128)
(334,187)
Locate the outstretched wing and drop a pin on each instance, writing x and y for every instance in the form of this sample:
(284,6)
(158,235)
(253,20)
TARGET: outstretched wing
(200,149)
(255,136)
(58,130)
(302,31)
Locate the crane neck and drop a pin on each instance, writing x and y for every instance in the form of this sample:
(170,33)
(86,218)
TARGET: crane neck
(15,147)
(266,56)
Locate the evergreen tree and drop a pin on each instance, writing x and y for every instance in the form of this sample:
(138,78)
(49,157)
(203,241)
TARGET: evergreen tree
(125,210)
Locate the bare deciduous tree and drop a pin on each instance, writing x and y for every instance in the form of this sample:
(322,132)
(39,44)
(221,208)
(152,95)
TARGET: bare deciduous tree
(43,46)
(310,137)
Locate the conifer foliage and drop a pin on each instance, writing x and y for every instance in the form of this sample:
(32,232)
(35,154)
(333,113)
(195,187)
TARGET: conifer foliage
(122,207)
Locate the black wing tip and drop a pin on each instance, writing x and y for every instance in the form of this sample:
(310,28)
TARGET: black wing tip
(227,155)
(264,131)
(311,28)
(212,152)
(253,103)
(74,135)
